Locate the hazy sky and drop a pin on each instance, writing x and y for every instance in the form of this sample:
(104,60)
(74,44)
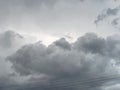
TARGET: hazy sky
(59,44)
(51,19)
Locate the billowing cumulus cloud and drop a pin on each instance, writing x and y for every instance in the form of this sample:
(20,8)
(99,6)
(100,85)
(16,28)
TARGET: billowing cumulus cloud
(63,44)
(88,63)
(90,43)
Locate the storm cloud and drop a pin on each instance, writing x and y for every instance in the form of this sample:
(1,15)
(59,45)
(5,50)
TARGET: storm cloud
(61,64)
(54,45)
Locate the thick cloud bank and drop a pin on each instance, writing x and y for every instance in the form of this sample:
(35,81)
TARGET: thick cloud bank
(90,63)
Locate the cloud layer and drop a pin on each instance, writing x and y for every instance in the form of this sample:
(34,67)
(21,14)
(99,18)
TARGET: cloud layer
(90,62)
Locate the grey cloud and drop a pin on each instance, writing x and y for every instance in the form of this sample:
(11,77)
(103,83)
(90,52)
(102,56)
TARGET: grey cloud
(89,57)
(110,11)
(63,44)
(113,46)
(113,87)
(106,13)
(115,22)
(90,42)
(10,41)
(8,38)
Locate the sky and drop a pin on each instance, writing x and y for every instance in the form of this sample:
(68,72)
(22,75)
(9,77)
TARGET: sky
(59,45)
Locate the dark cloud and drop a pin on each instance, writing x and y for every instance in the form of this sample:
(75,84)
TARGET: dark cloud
(106,13)
(115,22)
(85,64)
(91,43)
(63,44)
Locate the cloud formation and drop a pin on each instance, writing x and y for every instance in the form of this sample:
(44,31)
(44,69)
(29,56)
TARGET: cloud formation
(61,64)
(107,13)
(89,63)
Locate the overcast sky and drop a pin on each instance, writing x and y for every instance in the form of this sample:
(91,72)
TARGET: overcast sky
(59,45)
(51,19)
